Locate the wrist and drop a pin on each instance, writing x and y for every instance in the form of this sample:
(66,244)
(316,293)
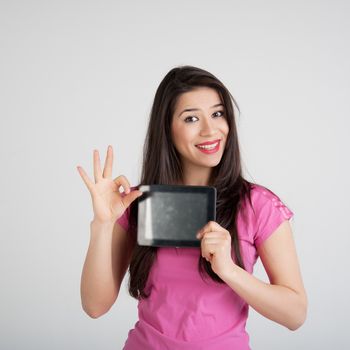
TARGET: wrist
(99,227)
(102,223)
(230,272)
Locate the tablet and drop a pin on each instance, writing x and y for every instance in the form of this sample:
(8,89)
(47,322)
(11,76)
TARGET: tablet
(171,215)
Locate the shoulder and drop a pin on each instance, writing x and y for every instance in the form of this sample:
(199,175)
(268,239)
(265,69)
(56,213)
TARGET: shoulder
(266,211)
(261,196)
(259,191)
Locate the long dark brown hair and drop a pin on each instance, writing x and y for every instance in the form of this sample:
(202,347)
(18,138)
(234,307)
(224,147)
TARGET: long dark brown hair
(162,165)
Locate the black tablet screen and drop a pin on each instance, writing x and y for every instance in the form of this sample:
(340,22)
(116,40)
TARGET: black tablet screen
(173,218)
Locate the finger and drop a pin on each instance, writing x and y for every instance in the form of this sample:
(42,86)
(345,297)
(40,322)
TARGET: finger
(207,232)
(222,238)
(207,258)
(97,166)
(89,184)
(214,226)
(214,234)
(202,235)
(121,180)
(107,171)
(129,198)
(208,254)
(223,235)
(209,248)
(213,240)
(202,231)
(209,227)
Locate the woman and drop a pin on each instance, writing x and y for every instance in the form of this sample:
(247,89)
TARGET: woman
(193,298)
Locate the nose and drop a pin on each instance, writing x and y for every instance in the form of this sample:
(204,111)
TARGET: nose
(207,127)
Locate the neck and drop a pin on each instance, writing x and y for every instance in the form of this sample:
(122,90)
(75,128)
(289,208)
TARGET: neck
(197,176)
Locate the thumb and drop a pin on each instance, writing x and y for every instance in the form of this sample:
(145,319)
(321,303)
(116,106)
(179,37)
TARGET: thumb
(199,234)
(130,197)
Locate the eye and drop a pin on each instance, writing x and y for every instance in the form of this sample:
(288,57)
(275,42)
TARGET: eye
(189,119)
(222,113)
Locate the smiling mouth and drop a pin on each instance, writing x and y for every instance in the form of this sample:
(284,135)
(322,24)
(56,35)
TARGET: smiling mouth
(209,145)
(209,148)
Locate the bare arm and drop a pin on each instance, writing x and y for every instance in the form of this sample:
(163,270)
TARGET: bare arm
(284,299)
(106,262)
(110,246)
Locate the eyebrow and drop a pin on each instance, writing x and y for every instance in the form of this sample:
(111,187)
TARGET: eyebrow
(196,109)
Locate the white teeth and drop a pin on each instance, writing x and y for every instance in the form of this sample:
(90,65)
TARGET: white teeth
(209,146)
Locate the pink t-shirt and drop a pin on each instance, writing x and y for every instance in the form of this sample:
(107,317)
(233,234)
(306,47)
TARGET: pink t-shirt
(183,311)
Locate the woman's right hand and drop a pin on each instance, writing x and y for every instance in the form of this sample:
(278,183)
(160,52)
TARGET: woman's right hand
(108,203)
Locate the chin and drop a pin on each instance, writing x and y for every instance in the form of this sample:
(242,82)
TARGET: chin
(210,164)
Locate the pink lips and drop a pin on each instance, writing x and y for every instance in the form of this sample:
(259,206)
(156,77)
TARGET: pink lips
(208,143)
(209,151)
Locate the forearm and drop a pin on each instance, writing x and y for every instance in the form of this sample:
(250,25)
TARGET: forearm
(98,290)
(278,303)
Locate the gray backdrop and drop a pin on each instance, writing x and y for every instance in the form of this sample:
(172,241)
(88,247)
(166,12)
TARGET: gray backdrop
(79,75)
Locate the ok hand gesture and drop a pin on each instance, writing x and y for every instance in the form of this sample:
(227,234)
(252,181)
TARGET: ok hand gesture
(108,203)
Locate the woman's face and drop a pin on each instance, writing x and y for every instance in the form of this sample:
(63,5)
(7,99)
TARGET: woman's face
(199,135)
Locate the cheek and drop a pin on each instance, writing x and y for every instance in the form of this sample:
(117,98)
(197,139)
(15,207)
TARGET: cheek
(182,136)
(176,137)
(224,127)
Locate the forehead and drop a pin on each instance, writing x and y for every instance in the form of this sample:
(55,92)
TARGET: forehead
(204,97)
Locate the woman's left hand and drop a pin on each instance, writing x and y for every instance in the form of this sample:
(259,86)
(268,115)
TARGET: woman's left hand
(216,247)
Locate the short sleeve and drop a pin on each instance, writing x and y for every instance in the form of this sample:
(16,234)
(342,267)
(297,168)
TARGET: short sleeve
(270,212)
